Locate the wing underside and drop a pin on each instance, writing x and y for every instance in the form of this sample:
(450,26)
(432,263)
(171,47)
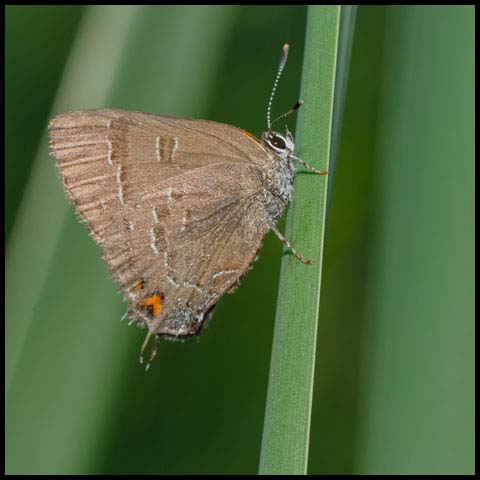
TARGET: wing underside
(187,246)
(176,204)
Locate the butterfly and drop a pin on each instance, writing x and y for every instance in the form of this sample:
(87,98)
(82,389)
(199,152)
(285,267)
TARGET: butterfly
(179,206)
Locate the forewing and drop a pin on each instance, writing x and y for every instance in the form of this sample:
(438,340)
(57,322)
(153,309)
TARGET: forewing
(112,159)
(179,250)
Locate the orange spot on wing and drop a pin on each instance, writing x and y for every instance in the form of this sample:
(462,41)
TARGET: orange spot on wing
(139,285)
(155,301)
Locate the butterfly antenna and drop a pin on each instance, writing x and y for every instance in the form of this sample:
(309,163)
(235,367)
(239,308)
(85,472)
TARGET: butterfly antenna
(283,61)
(292,110)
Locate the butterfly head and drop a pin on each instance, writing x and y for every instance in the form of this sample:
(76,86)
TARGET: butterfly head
(282,145)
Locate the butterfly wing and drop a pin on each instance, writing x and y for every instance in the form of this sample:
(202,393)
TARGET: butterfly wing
(177,205)
(96,150)
(186,247)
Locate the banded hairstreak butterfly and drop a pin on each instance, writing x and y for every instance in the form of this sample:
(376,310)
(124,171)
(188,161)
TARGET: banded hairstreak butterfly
(179,206)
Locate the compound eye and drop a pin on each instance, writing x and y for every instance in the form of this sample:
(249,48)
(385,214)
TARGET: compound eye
(278,142)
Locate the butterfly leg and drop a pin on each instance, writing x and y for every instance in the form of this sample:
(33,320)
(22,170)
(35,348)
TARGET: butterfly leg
(309,167)
(289,246)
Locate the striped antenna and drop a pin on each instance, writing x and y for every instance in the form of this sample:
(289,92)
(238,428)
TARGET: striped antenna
(283,61)
(292,110)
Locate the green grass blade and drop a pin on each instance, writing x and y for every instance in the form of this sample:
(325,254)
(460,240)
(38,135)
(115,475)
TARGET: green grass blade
(67,351)
(43,214)
(97,49)
(288,410)
(352,209)
(418,368)
(348,14)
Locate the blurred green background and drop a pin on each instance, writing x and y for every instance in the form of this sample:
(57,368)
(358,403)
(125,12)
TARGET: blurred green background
(394,380)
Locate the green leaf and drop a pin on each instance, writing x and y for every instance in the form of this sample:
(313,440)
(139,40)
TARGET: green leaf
(64,336)
(288,410)
(417,397)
